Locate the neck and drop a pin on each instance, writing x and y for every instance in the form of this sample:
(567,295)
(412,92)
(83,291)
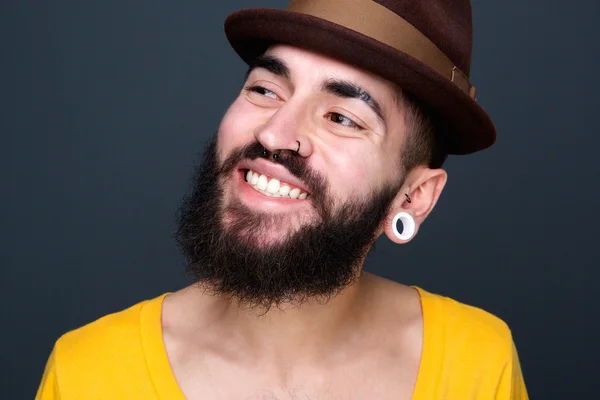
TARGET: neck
(289,333)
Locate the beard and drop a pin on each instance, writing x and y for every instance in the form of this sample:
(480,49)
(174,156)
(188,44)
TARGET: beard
(226,249)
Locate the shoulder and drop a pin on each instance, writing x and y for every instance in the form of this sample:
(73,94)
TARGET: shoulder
(461,317)
(469,350)
(105,358)
(467,332)
(113,340)
(122,325)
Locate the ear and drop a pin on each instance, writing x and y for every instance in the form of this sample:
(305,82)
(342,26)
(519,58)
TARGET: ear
(424,187)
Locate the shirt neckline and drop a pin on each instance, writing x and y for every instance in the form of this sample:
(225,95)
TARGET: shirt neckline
(161,374)
(166,385)
(433,344)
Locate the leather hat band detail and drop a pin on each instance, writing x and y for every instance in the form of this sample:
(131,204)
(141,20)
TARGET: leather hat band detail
(386,27)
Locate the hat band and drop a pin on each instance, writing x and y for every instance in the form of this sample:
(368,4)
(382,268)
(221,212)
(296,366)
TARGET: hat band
(386,27)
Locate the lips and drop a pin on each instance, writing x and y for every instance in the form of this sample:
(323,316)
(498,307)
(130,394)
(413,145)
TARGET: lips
(273,187)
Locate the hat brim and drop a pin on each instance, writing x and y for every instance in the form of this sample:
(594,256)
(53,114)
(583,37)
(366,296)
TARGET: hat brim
(251,31)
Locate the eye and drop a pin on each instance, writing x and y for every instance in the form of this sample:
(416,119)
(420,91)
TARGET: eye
(263,91)
(343,120)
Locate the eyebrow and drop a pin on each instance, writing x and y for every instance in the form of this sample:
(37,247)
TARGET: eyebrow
(340,88)
(272,64)
(349,90)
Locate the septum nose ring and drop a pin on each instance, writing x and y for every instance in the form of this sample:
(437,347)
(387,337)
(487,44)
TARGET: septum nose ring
(278,152)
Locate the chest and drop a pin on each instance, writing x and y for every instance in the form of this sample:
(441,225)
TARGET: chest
(383,378)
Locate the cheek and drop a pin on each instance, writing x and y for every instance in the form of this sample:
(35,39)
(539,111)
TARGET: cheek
(237,127)
(352,173)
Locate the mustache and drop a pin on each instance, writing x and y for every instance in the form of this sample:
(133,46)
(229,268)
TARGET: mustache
(296,164)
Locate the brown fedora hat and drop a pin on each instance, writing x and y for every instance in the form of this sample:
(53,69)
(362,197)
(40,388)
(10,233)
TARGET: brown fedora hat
(424,46)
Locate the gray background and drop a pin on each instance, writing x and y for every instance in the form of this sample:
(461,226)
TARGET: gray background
(106,106)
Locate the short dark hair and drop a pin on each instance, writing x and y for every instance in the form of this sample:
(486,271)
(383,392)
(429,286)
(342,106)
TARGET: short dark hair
(427,134)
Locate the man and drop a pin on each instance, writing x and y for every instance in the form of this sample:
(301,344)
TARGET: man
(339,133)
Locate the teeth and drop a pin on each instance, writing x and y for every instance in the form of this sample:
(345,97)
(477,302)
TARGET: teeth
(273,187)
(262,182)
(284,190)
(269,194)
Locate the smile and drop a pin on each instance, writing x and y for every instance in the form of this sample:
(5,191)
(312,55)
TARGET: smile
(273,187)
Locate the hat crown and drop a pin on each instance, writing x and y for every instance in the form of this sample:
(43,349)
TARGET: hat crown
(447,23)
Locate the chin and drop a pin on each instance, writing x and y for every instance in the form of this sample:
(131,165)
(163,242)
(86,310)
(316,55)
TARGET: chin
(262,229)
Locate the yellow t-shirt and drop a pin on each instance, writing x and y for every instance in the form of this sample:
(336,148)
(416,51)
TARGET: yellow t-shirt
(467,354)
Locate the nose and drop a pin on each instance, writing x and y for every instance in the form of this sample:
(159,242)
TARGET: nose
(283,131)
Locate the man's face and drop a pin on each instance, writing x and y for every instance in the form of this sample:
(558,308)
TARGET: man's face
(345,120)
(270,231)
